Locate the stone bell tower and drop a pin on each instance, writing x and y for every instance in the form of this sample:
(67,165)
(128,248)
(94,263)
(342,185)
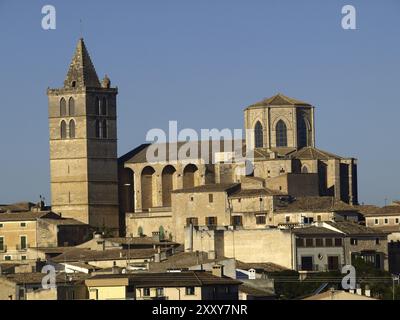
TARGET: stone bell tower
(83,145)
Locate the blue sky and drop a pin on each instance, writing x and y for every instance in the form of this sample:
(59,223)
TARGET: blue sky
(200,63)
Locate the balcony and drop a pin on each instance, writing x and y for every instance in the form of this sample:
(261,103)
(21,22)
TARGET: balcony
(319,268)
(154,298)
(309,268)
(18,247)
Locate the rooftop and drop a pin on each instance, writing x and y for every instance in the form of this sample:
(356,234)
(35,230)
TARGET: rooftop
(312,153)
(169,279)
(82,255)
(338,295)
(34,278)
(182,260)
(392,210)
(313,230)
(28,216)
(219,187)
(278,100)
(139,155)
(256,291)
(243,193)
(313,204)
(353,228)
(263,267)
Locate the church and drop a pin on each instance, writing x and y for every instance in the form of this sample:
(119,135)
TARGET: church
(132,195)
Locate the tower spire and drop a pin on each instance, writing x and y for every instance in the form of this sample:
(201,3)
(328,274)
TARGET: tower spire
(81,72)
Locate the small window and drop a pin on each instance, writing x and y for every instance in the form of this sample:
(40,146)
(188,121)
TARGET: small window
(258,135)
(23,242)
(376,221)
(63,107)
(191,198)
(2,246)
(281,134)
(23,257)
(397,221)
(189,291)
(328,242)
(386,221)
(73,84)
(308,220)
(71,106)
(23,224)
(319,218)
(98,128)
(97,106)
(260,219)
(377,241)
(192,221)
(63,130)
(309,242)
(287,219)
(1,225)
(300,242)
(211,221)
(72,129)
(237,220)
(210,198)
(338,242)
(146,292)
(353,241)
(319,242)
(104,129)
(239,200)
(7,258)
(160,292)
(104,107)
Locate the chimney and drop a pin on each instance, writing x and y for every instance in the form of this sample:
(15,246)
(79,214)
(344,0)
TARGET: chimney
(218,270)
(252,274)
(156,236)
(97,235)
(211,255)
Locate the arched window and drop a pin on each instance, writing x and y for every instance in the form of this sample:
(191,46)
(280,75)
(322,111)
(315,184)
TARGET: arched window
(302,133)
(71,106)
(304,169)
(258,135)
(104,129)
(97,106)
(63,107)
(281,134)
(72,129)
(63,129)
(104,107)
(98,129)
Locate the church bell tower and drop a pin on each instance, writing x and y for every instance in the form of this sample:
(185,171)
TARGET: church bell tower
(83,145)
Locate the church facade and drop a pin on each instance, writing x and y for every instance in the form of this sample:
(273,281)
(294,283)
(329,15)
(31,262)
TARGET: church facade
(89,183)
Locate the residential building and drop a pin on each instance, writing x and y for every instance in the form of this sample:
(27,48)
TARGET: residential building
(28,286)
(185,285)
(21,230)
